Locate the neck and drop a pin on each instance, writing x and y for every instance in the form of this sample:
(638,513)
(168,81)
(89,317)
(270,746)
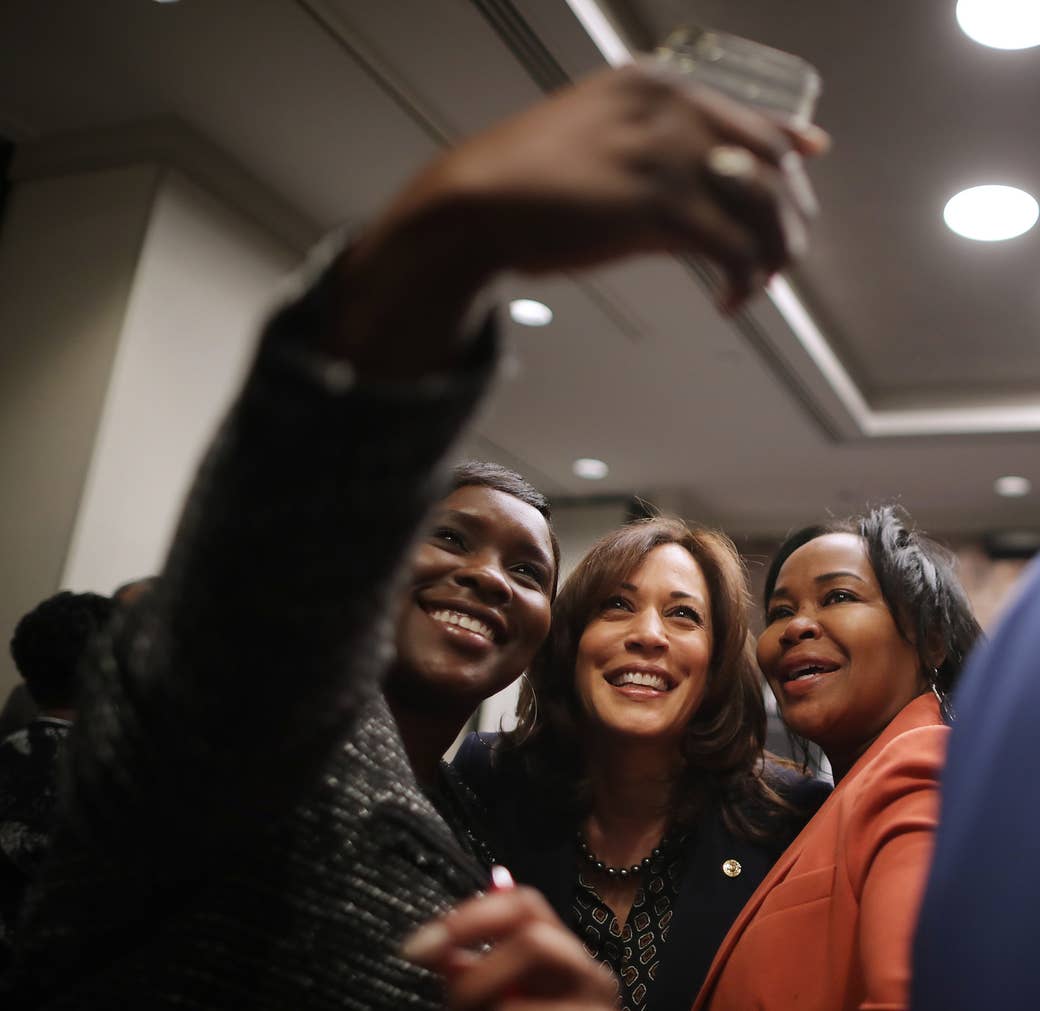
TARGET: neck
(843,759)
(426,734)
(631,786)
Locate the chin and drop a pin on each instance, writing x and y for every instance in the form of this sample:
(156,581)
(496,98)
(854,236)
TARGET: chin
(640,731)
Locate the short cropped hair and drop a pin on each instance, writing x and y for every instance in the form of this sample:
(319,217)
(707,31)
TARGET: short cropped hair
(50,641)
(484,474)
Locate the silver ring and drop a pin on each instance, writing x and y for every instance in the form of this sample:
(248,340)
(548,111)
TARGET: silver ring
(728,161)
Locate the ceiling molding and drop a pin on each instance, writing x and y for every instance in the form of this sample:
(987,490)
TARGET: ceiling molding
(171,144)
(783,332)
(379,70)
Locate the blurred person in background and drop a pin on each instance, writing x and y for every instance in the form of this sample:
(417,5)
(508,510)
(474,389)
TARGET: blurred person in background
(634,792)
(867,628)
(49,646)
(243,826)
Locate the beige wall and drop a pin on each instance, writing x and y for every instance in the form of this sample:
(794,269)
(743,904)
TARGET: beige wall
(68,257)
(129,304)
(205,279)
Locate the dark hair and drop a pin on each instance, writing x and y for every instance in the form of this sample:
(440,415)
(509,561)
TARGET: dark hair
(484,474)
(918,582)
(50,641)
(723,743)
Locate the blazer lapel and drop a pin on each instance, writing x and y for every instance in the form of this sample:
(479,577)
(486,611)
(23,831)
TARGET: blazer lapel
(777,873)
(922,711)
(707,903)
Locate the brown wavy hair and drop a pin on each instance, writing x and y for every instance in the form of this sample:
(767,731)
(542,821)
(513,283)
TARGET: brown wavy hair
(722,748)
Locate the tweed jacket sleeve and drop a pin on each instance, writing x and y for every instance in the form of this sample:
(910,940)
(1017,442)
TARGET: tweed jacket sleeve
(274,618)
(228,694)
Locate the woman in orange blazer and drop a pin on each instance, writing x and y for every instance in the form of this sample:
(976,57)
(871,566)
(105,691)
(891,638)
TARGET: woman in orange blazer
(866,631)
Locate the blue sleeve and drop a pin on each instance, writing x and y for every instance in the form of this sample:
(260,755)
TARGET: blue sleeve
(975,945)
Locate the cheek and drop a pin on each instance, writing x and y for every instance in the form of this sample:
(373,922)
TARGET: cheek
(765,650)
(585,664)
(537,617)
(427,564)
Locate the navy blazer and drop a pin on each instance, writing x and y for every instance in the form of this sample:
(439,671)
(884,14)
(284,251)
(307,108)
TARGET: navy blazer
(976,936)
(538,847)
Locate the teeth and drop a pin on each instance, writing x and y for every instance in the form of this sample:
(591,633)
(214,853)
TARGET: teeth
(807,672)
(466,621)
(635,677)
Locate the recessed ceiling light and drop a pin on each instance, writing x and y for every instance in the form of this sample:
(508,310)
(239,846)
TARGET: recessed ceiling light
(528,312)
(590,469)
(991,213)
(1001,24)
(1012,486)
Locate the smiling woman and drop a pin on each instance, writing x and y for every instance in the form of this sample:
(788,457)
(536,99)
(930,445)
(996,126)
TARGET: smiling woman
(634,793)
(475,610)
(867,629)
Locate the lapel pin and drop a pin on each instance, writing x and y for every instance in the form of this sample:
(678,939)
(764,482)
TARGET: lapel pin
(731,868)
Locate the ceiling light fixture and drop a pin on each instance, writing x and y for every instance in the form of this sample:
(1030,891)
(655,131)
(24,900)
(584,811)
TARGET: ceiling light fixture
(590,469)
(528,312)
(1001,24)
(1012,486)
(991,213)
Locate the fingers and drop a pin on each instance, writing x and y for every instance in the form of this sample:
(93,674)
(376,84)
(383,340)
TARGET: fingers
(808,140)
(483,919)
(533,959)
(537,960)
(752,169)
(734,122)
(764,200)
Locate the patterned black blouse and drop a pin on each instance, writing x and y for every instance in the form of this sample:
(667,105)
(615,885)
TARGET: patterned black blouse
(632,950)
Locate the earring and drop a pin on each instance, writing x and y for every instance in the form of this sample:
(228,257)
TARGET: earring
(935,686)
(534,698)
(945,709)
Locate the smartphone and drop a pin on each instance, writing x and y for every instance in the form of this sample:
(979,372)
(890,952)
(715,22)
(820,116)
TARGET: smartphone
(776,82)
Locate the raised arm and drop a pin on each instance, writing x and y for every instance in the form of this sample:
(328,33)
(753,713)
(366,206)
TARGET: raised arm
(223,693)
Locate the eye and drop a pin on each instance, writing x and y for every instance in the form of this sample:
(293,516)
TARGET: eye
(615,603)
(532,573)
(778,613)
(449,538)
(687,613)
(839,596)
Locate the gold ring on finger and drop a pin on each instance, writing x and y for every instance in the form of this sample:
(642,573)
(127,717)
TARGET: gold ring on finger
(728,161)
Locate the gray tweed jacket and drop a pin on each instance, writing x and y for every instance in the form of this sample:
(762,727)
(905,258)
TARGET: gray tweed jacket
(241,828)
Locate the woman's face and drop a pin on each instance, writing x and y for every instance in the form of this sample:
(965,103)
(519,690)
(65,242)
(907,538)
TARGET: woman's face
(477,607)
(642,663)
(833,655)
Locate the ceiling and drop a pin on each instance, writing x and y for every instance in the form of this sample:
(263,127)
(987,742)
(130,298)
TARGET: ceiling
(901,363)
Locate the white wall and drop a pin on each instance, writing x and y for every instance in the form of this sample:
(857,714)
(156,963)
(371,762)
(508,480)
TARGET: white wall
(204,283)
(68,254)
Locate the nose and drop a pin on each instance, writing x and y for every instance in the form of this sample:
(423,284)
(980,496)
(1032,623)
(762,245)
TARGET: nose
(484,577)
(800,627)
(646,632)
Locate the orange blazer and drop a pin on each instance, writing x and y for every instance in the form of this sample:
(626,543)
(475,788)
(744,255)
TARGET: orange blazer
(830,926)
